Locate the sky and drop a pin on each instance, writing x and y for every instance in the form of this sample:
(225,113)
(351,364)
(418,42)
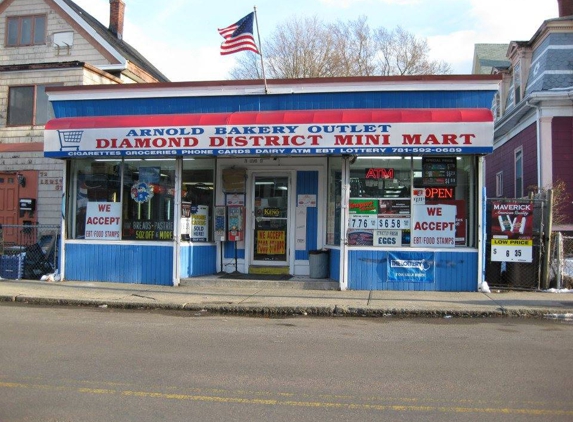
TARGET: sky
(180,37)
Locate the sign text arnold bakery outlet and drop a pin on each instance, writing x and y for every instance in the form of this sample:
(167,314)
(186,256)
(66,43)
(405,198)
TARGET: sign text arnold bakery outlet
(359,138)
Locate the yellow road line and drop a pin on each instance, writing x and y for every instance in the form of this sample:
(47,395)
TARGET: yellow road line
(314,404)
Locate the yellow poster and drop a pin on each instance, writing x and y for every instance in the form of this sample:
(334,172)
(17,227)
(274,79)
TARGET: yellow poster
(271,242)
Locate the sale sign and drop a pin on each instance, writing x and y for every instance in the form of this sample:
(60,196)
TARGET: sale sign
(434,225)
(103,220)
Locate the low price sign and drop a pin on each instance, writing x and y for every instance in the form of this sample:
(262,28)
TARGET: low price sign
(511,250)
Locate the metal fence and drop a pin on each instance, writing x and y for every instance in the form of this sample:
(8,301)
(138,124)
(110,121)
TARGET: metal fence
(562,261)
(516,275)
(29,251)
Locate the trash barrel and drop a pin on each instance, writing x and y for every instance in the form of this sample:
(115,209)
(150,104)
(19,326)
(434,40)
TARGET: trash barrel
(318,262)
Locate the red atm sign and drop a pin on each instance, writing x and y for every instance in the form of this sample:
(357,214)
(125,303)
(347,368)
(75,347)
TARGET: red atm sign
(379,173)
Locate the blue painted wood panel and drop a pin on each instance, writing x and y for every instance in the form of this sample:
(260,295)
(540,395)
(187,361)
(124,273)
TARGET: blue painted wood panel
(139,264)
(229,251)
(454,271)
(198,260)
(334,264)
(313,101)
(307,184)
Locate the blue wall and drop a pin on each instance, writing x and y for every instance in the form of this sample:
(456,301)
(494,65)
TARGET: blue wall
(227,104)
(198,260)
(140,264)
(454,271)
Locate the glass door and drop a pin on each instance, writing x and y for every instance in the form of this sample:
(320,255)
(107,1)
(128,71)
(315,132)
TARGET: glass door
(270,229)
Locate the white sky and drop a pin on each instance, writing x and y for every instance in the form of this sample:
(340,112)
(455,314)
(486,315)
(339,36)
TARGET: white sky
(180,36)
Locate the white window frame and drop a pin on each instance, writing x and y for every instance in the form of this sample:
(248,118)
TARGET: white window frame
(499,184)
(518,170)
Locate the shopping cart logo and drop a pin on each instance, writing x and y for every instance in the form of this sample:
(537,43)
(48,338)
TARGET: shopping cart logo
(70,139)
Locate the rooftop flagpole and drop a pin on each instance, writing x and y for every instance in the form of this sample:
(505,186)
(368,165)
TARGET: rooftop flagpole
(261,50)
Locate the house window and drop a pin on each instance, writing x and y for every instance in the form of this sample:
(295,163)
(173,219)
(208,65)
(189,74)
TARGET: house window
(518,173)
(517,83)
(26,30)
(28,105)
(499,184)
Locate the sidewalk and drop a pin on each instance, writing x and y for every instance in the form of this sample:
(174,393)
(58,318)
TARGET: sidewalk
(208,296)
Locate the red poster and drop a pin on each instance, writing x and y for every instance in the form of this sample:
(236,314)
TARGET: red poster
(512,220)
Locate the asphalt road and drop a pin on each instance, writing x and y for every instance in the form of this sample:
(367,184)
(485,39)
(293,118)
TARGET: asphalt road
(82,364)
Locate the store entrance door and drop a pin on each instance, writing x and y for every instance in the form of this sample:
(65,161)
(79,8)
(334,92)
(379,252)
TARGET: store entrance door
(271,220)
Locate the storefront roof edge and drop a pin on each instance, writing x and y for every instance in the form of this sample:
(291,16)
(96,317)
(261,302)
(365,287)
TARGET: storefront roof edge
(277,117)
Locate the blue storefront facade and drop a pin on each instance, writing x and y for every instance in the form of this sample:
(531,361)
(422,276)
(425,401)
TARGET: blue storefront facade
(170,181)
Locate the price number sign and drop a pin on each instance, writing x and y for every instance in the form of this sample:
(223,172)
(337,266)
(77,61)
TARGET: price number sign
(394,223)
(507,250)
(362,221)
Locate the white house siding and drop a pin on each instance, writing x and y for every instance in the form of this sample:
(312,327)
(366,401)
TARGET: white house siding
(50,171)
(81,50)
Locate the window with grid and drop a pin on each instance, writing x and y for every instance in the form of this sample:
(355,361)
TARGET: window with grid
(26,30)
(28,105)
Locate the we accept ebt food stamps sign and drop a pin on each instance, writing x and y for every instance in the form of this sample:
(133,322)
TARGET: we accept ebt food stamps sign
(103,220)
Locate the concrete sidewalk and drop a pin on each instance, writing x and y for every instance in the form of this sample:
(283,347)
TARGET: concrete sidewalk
(210,296)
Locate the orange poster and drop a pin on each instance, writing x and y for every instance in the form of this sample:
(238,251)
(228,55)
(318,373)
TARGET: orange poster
(271,242)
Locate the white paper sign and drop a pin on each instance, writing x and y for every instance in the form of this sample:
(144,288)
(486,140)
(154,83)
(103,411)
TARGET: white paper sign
(434,226)
(300,229)
(103,221)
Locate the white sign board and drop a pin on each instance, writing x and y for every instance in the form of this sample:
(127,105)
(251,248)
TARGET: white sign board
(387,238)
(103,221)
(511,250)
(434,226)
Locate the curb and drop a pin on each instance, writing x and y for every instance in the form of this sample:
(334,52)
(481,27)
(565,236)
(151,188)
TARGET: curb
(285,311)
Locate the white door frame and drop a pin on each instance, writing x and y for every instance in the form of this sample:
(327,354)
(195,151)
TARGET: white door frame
(250,216)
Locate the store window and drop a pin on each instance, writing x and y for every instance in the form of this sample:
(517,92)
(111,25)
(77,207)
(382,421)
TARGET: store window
(197,200)
(115,200)
(334,201)
(148,206)
(95,182)
(408,202)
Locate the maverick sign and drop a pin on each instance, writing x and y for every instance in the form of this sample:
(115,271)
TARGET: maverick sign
(361,132)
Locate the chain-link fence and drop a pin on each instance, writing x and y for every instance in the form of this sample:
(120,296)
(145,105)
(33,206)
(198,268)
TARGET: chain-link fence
(562,261)
(514,243)
(28,251)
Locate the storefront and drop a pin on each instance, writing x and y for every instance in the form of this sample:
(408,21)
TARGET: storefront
(182,180)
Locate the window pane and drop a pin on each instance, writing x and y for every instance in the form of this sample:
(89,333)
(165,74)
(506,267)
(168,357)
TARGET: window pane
(334,201)
(380,199)
(13,31)
(40,30)
(41,105)
(148,199)
(26,35)
(93,182)
(21,106)
(197,200)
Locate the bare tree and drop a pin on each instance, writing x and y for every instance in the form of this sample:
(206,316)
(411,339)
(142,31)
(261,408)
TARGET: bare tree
(399,52)
(310,48)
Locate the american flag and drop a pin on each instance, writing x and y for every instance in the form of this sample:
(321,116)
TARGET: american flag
(239,36)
